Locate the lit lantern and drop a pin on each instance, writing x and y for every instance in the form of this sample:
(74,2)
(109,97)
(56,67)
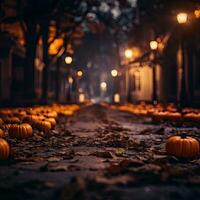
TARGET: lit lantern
(103,86)
(182,18)
(116,98)
(68,60)
(81,98)
(197,13)
(153,45)
(79,73)
(128,53)
(70,80)
(114,72)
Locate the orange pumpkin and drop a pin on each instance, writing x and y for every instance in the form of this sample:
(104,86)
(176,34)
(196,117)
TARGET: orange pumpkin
(182,147)
(51,114)
(43,125)
(11,120)
(1,122)
(2,134)
(52,121)
(20,131)
(19,113)
(4,149)
(30,119)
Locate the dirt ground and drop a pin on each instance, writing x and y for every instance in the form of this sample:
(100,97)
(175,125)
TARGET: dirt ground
(100,153)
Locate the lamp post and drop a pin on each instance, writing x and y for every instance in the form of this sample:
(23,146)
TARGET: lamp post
(182,19)
(79,74)
(129,56)
(114,74)
(154,46)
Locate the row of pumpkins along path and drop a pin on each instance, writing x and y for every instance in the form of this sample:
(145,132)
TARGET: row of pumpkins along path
(179,145)
(161,112)
(19,123)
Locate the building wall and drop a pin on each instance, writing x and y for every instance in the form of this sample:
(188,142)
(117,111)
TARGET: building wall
(141,83)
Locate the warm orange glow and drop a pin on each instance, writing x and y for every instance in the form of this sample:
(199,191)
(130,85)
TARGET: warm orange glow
(70,79)
(197,13)
(81,98)
(55,46)
(103,86)
(114,72)
(153,45)
(68,59)
(128,53)
(116,98)
(79,73)
(182,18)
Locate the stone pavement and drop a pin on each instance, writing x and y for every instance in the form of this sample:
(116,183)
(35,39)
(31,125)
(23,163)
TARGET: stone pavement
(100,153)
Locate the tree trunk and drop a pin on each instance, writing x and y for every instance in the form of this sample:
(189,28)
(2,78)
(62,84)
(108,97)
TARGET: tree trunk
(45,26)
(29,69)
(58,79)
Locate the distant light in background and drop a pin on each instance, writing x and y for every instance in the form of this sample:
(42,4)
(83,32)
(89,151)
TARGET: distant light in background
(114,72)
(55,45)
(79,73)
(133,3)
(103,86)
(128,53)
(81,98)
(116,98)
(104,7)
(80,90)
(70,79)
(197,13)
(153,45)
(89,65)
(136,52)
(68,59)
(182,17)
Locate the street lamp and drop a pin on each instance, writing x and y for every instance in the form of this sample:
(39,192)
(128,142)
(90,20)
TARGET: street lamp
(182,18)
(79,73)
(70,80)
(103,86)
(68,60)
(154,46)
(114,73)
(128,53)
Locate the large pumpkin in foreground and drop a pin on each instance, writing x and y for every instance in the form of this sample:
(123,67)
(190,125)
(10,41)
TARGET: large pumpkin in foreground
(4,149)
(182,147)
(20,131)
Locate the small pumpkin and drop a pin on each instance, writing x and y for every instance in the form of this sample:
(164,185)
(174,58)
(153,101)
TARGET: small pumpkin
(52,121)
(51,114)
(43,125)
(20,131)
(1,122)
(2,134)
(19,113)
(30,119)
(11,120)
(66,113)
(4,149)
(182,147)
